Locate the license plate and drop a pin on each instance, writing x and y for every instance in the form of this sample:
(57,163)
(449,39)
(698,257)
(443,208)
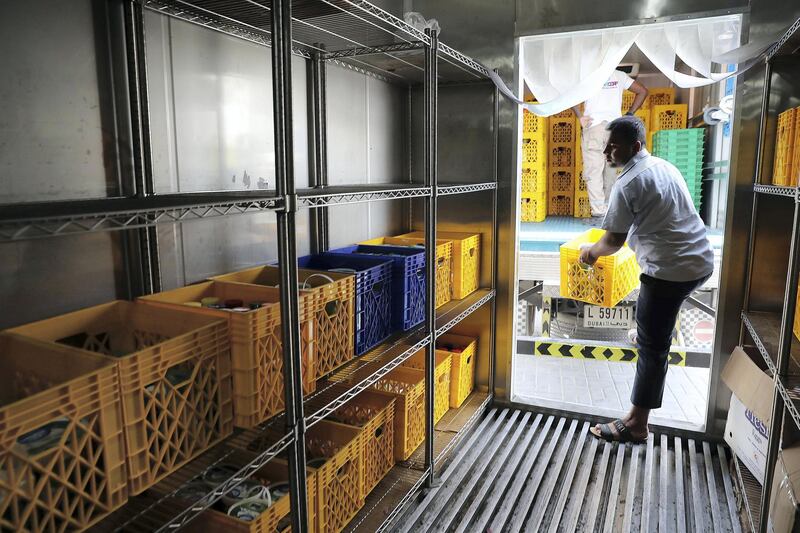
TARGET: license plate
(595,316)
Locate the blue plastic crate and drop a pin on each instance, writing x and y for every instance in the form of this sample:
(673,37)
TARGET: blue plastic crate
(408,280)
(373,315)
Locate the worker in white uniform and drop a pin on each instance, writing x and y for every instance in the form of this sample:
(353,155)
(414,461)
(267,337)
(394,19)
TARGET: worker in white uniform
(651,208)
(598,112)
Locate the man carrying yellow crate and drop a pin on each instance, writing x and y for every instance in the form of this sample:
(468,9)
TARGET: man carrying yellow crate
(652,209)
(598,112)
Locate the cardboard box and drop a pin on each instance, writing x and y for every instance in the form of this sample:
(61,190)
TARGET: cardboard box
(783,508)
(747,427)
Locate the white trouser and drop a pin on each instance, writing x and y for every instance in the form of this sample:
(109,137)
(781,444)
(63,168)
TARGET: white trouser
(599,177)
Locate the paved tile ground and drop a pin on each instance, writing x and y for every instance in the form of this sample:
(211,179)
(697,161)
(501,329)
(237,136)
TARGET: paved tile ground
(603,388)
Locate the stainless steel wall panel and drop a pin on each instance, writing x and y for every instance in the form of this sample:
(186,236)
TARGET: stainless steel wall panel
(218,90)
(43,278)
(212,247)
(386,113)
(52,134)
(347,126)
(466,150)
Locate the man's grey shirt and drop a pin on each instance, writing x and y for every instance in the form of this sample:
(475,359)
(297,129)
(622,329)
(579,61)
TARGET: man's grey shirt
(651,203)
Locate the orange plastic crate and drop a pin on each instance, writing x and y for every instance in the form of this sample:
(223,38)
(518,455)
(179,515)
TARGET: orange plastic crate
(606,283)
(562,155)
(48,389)
(560,204)
(374,414)
(340,494)
(533,207)
(562,130)
(441,376)
(444,262)
(659,96)
(567,113)
(407,387)
(327,299)
(256,345)
(466,259)
(275,519)
(463,352)
(175,376)
(561,181)
(785,148)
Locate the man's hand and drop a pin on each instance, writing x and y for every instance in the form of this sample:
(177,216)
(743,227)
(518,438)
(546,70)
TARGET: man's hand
(585,121)
(587,257)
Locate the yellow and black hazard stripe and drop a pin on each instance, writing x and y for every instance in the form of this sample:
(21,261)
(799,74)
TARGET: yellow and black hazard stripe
(599,352)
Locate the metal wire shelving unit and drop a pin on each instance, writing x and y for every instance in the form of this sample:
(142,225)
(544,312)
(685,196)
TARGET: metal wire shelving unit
(771,330)
(350,33)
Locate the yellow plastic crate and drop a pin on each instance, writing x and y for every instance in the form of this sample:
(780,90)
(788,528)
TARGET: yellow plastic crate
(784,148)
(534,180)
(407,387)
(533,126)
(606,283)
(582,207)
(533,207)
(441,376)
(466,259)
(534,153)
(796,325)
(462,351)
(669,117)
(580,183)
(444,262)
(644,115)
(795,173)
(627,101)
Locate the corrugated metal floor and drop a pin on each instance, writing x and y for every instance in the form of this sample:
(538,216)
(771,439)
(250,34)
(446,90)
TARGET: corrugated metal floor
(522,471)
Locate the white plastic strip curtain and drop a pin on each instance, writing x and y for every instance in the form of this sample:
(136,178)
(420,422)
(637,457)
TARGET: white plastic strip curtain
(566,69)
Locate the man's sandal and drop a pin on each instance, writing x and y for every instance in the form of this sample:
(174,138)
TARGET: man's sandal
(623,433)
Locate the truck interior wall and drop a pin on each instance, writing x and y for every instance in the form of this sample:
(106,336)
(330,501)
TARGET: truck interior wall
(211,120)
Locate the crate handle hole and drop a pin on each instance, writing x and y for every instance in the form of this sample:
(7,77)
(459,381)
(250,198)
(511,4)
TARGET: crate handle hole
(443,377)
(472,252)
(332,308)
(344,469)
(421,273)
(440,261)
(379,432)
(377,288)
(469,358)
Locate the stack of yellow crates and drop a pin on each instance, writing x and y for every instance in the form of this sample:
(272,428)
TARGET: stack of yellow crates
(786,165)
(561,150)
(534,168)
(658,104)
(581,207)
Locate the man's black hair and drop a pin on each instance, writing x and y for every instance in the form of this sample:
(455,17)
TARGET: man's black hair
(628,129)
